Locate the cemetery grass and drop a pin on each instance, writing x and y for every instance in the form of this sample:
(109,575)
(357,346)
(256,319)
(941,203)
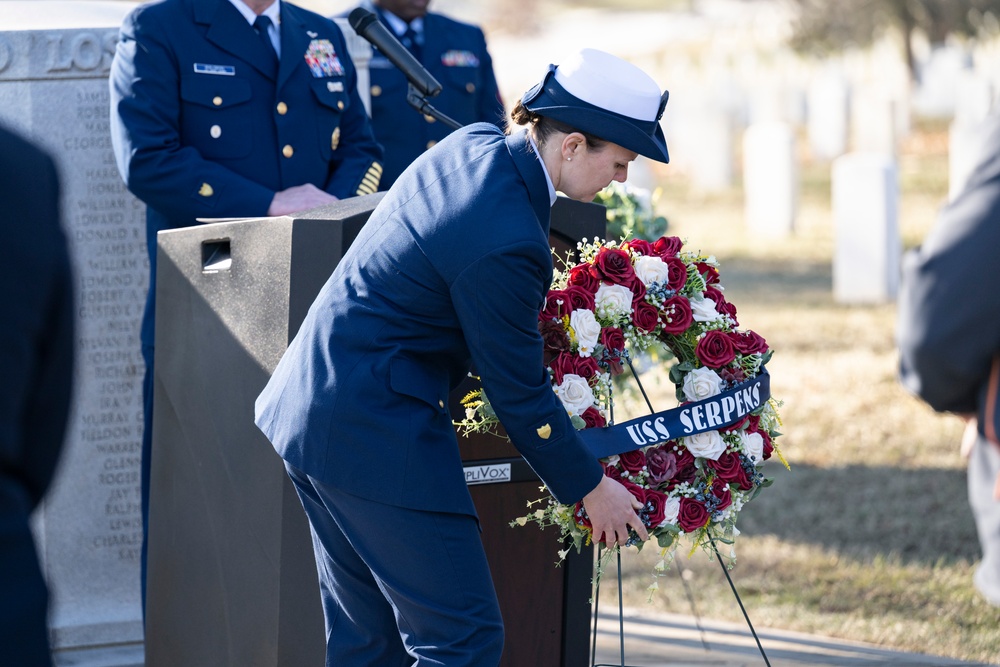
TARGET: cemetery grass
(869,537)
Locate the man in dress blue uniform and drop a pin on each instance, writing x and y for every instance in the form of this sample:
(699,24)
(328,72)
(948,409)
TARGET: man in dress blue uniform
(452,268)
(233,108)
(949,337)
(36,364)
(455,54)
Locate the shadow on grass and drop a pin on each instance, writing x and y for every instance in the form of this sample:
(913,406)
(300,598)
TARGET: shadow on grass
(920,514)
(800,282)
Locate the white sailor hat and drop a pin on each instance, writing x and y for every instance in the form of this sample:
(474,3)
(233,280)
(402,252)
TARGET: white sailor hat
(603,95)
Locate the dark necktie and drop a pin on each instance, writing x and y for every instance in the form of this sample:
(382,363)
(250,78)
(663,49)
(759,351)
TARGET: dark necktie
(409,40)
(261,25)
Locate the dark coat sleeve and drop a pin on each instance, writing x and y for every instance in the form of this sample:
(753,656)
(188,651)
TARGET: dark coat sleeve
(948,326)
(36,339)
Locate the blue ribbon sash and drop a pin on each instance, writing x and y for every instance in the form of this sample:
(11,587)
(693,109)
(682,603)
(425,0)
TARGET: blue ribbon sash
(710,414)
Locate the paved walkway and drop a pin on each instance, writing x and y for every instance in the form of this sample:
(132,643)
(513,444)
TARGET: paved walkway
(673,640)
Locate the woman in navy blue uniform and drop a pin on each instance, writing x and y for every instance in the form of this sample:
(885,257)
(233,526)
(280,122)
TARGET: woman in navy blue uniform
(452,268)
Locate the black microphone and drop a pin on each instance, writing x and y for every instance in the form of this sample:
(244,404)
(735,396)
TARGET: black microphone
(368,26)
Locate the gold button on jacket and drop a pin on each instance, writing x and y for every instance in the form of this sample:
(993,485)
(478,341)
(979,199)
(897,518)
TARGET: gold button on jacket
(287,151)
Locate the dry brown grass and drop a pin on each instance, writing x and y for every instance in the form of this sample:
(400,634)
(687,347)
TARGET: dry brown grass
(869,537)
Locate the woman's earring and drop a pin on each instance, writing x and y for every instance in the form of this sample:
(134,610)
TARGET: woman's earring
(569,159)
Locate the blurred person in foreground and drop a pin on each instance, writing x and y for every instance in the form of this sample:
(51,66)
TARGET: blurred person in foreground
(452,268)
(455,54)
(232,109)
(36,364)
(949,337)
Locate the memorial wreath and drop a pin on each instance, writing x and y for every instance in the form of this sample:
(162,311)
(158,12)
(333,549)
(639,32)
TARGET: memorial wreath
(693,467)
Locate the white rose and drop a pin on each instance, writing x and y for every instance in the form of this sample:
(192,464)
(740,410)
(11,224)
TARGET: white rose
(701,383)
(708,445)
(613,300)
(671,509)
(651,270)
(587,330)
(704,310)
(753,445)
(575,394)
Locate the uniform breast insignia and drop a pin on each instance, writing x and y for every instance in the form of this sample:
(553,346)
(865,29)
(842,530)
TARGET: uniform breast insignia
(206,190)
(544,431)
(312,35)
(322,59)
(223,70)
(455,58)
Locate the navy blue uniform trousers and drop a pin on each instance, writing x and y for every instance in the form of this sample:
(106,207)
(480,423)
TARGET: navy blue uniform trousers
(367,551)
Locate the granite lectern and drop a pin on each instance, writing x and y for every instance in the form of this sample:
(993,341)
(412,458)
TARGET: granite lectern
(231,576)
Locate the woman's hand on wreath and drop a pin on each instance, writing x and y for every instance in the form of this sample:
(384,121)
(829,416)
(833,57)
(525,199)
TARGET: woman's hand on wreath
(612,511)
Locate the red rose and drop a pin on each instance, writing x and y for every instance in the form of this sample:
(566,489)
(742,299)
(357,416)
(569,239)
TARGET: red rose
(686,469)
(568,363)
(720,489)
(645,315)
(749,342)
(581,517)
(676,317)
(640,247)
(554,335)
(708,272)
(556,305)
(677,273)
(722,306)
(661,463)
(613,340)
(729,469)
(579,298)
(638,290)
(592,417)
(632,461)
(692,515)
(614,266)
(654,509)
(613,472)
(715,349)
(667,246)
(583,275)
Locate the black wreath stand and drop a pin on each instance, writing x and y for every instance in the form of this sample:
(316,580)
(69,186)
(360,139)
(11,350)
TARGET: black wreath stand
(687,590)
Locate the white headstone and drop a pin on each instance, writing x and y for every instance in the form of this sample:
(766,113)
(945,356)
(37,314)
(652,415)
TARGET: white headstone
(938,81)
(865,198)
(54,63)
(709,140)
(770,179)
(828,114)
(873,122)
(973,103)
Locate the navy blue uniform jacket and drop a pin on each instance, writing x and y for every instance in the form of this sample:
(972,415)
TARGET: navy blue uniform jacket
(452,267)
(455,54)
(202,129)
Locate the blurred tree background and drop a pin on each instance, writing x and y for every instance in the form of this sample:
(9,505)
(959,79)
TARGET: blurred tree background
(824,27)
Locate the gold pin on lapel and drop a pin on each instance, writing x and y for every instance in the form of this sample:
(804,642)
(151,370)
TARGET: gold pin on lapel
(544,432)
(206,190)
(335,139)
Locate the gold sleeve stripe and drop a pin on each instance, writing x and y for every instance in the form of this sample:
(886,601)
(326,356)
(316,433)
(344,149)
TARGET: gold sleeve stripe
(369,183)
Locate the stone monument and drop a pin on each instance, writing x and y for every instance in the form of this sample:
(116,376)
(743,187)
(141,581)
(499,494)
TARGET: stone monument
(54,62)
